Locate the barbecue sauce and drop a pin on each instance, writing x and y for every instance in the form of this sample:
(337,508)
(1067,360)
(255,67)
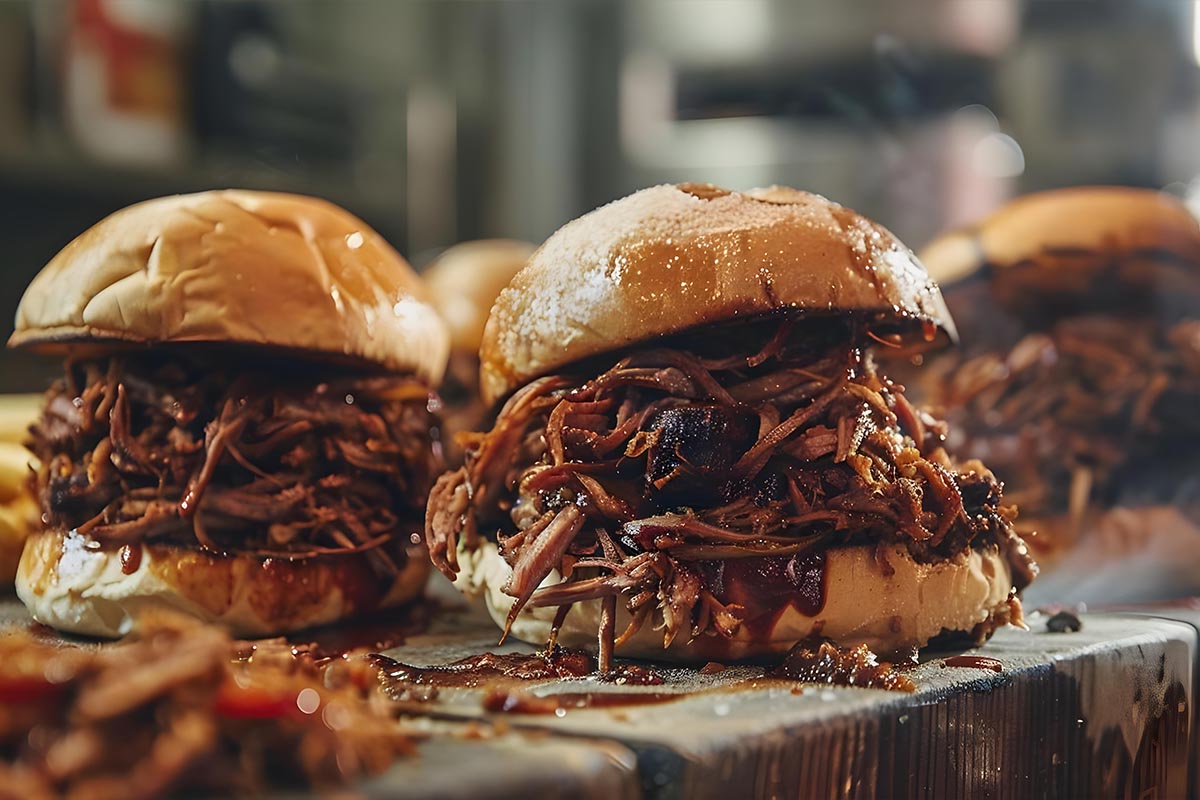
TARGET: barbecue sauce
(766,587)
(556,663)
(522,702)
(815,661)
(974,662)
(131,557)
(498,671)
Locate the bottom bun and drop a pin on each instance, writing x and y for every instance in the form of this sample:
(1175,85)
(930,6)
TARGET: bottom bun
(889,613)
(72,587)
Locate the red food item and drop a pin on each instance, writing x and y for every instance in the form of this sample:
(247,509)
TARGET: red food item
(28,689)
(179,708)
(253,702)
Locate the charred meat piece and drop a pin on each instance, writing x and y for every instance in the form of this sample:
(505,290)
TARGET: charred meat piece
(692,451)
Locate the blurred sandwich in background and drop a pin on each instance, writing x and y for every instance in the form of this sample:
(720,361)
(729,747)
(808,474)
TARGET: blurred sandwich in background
(464,281)
(1077,381)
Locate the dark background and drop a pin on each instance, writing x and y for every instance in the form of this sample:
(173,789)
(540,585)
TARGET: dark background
(439,120)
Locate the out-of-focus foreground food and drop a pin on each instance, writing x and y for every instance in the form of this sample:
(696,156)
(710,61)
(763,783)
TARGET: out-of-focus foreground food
(179,707)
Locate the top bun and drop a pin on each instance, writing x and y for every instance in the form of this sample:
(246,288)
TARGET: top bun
(1082,229)
(670,258)
(953,256)
(464,281)
(237,267)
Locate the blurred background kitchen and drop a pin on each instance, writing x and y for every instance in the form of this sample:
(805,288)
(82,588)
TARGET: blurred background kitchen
(439,120)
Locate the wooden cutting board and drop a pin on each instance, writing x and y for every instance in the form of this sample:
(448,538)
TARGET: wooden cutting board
(1104,712)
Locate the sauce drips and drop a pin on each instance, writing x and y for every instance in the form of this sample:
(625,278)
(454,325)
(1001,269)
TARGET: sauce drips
(131,557)
(470,672)
(766,587)
(522,702)
(373,632)
(494,669)
(823,662)
(974,662)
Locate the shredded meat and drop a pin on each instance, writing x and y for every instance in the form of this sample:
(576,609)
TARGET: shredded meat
(179,708)
(262,458)
(761,441)
(1074,414)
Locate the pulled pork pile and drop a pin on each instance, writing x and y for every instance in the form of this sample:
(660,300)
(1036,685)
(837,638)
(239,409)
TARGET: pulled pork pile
(260,458)
(752,449)
(174,710)
(1070,414)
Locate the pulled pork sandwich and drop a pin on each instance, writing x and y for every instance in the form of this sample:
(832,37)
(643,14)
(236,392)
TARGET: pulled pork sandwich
(697,456)
(1079,374)
(242,429)
(463,283)
(177,708)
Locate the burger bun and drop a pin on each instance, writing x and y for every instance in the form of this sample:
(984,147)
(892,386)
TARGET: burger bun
(672,258)
(77,589)
(889,613)
(284,271)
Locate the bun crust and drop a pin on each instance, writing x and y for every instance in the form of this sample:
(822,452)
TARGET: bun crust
(79,590)
(1111,219)
(465,280)
(1104,222)
(235,266)
(670,258)
(888,613)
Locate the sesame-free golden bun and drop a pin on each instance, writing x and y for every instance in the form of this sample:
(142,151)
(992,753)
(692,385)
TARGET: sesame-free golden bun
(465,280)
(258,268)
(1061,242)
(75,588)
(671,258)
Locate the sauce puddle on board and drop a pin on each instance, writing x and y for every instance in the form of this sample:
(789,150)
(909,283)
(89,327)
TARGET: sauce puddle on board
(503,677)
(974,662)
(525,702)
(497,671)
